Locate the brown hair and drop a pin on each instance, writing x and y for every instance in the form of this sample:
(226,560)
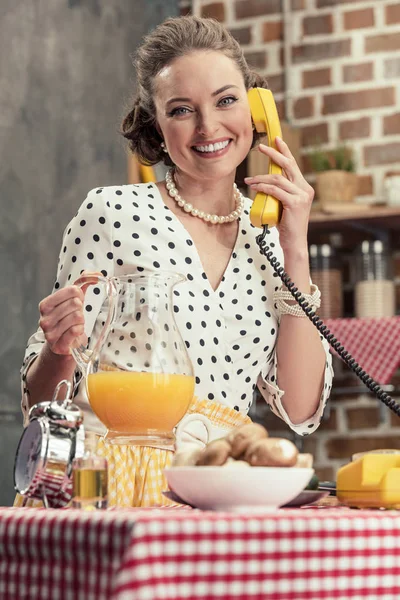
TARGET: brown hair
(174,38)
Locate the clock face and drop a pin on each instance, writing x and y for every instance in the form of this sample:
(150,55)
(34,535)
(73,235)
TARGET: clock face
(28,456)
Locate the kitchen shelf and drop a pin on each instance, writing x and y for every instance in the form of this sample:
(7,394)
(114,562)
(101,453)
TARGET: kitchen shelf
(381,217)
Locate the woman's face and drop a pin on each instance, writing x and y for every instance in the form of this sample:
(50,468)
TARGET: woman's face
(203,114)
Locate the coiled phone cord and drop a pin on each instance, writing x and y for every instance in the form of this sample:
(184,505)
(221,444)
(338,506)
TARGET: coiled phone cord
(370,383)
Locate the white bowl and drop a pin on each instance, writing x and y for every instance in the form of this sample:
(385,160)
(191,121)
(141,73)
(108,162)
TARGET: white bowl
(242,489)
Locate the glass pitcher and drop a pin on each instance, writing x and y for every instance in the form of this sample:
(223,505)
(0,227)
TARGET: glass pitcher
(139,377)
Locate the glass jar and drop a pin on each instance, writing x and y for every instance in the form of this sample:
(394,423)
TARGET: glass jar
(326,273)
(375,289)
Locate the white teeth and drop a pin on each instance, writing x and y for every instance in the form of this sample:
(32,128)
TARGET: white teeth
(212,147)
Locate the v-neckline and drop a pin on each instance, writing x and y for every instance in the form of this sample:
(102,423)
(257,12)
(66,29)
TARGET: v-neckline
(195,250)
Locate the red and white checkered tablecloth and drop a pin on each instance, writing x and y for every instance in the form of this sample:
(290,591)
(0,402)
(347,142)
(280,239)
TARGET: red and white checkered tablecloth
(158,554)
(373,343)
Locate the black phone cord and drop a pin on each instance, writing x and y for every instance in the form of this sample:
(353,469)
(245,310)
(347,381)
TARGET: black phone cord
(370,383)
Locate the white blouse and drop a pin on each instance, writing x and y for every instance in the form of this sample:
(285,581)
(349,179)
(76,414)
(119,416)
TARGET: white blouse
(230,333)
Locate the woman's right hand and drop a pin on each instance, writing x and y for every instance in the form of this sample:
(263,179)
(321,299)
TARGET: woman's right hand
(62,319)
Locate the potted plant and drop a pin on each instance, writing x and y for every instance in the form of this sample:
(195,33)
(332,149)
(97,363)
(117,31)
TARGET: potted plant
(336,180)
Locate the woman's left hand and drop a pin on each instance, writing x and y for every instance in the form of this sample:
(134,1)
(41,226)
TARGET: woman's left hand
(292,190)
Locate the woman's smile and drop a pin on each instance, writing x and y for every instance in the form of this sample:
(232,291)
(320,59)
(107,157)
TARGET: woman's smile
(212,149)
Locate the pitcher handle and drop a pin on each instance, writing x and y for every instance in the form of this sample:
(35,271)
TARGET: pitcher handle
(82,356)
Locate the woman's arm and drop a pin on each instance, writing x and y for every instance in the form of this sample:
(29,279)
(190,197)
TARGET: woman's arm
(300,354)
(61,313)
(301,357)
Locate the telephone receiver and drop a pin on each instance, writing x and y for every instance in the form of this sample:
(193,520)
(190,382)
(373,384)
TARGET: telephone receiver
(266,210)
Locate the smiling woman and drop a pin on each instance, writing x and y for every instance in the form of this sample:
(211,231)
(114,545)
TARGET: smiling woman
(192,112)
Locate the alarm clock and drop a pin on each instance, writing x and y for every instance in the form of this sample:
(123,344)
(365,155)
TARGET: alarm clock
(52,439)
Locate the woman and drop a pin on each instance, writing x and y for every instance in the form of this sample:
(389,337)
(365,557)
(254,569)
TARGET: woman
(192,110)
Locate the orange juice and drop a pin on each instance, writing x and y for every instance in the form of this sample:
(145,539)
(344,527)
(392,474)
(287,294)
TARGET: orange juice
(130,402)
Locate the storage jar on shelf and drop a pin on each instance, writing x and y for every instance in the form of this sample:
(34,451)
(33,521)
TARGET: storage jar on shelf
(326,273)
(375,289)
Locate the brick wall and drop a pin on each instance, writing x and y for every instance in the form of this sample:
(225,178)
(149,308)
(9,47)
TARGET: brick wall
(334,67)
(341,82)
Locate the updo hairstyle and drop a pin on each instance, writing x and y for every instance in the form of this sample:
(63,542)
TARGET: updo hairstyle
(174,38)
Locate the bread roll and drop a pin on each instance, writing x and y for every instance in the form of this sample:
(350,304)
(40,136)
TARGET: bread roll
(187,458)
(272,452)
(216,453)
(242,437)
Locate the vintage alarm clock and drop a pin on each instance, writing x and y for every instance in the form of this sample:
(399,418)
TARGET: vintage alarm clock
(50,442)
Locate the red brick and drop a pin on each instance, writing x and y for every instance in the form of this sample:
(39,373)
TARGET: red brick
(255,8)
(391,124)
(329,423)
(303,107)
(297,5)
(216,10)
(321,51)
(280,107)
(365,185)
(344,447)
(392,67)
(242,35)
(363,417)
(257,60)
(358,72)
(363,99)
(326,3)
(309,445)
(392,14)
(382,155)
(276,83)
(357,128)
(312,135)
(317,25)
(388,42)
(282,56)
(358,19)
(316,78)
(272,31)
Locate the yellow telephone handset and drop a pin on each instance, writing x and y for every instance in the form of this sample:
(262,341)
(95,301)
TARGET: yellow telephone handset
(265,210)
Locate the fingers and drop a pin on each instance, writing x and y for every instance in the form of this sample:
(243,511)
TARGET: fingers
(272,180)
(282,157)
(62,319)
(47,305)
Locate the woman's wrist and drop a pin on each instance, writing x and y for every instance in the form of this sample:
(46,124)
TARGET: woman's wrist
(296,262)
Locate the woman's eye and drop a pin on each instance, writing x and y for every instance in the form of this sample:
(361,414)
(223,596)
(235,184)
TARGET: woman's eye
(180,110)
(227,101)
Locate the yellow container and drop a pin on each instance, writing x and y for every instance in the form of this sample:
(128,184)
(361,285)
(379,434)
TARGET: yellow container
(371,481)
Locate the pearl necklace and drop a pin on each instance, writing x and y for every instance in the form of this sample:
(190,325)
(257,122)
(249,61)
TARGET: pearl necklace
(209,218)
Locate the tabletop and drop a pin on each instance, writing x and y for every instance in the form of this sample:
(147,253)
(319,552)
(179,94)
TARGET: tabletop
(177,553)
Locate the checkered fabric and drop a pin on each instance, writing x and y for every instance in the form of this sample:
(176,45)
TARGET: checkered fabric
(373,343)
(176,554)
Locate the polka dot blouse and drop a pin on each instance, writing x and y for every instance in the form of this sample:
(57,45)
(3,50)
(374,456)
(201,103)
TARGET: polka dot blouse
(230,333)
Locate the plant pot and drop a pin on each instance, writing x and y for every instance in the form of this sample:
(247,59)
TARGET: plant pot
(336,186)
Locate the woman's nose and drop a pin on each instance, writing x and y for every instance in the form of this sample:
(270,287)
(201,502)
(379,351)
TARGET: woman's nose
(207,125)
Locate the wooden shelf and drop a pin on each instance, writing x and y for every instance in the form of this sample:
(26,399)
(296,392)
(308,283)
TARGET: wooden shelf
(382,217)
